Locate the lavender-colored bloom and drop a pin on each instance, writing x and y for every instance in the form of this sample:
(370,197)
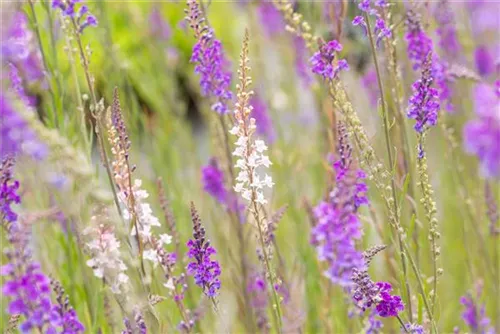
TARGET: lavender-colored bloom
(270,19)
(424,104)
(8,191)
(15,134)
(213,181)
(482,134)
(413,329)
(26,286)
(205,271)
(301,67)
(159,27)
(390,305)
(485,64)
(419,44)
(81,17)
(381,29)
(69,322)
(18,47)
(446,30)
(211,63)
(367,294)
(17,85)
(474,314)
(325,63)
(338,226)
(261,115)
(374,324)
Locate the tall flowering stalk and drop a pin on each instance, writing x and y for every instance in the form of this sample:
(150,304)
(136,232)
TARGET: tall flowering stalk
(211,63)
(338,227)
(251,159)
(68,318)
(205,271)
(446,30)
(131,196)
(423,107)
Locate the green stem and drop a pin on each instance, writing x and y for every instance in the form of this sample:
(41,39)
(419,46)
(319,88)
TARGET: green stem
(389,154)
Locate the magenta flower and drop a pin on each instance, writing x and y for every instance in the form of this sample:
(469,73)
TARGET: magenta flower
(325,63)
(389,305)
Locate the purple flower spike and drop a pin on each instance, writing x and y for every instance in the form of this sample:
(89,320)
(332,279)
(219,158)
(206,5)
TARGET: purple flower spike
(446,30)
(419,44)
(211,63)
(325,63)
(338,226)
(82,17)
(213,181)
(474,314)
(424,103)
(205,271)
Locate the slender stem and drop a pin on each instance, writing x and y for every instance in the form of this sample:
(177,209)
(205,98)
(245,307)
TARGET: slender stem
(100,127)
(402,323)
(389,154)
(421,288)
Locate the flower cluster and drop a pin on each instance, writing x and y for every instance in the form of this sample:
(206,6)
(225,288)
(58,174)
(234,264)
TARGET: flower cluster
(18,87)
(446,30)
(16,136)
(139,326)
(81,17)
(419,44)
(338,226)
(105,249)
(205,271)
(414,328)
(381,29)
(213,181)
(474,315)
(19,48)
(26,285)
(8,191)
(211,64)
(325,63)
(250,152)
(482,134)
(367,294)
(424,103)
(69,322)
(262,118)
